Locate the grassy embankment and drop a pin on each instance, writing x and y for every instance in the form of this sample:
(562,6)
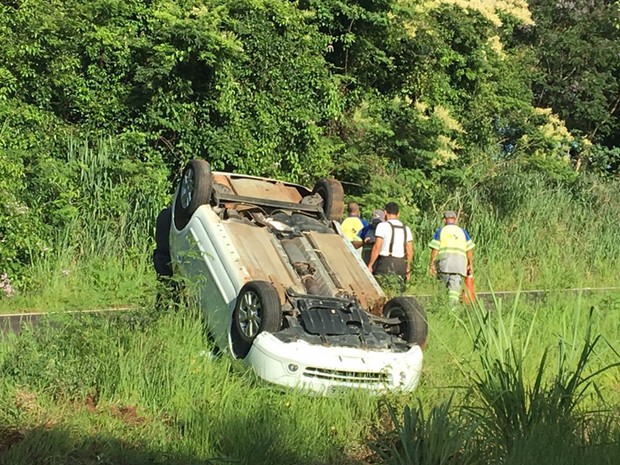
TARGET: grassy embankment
(529,235)
(533,234)
(139,388)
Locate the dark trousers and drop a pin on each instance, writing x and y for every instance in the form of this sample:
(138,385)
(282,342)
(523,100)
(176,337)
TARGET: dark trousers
(391,265)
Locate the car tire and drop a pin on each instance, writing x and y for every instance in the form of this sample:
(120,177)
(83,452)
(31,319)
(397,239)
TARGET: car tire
(332,193)
(257,310)
(161,263)
(162,229)
(195,190)
(413,327)
(161,256)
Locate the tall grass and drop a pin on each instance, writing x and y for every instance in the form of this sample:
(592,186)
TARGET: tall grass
(439,437)
(515,408)
(150,381)
(499,386)
(100,256)
(143,387)
(120,198)
(520,407)
(532,233)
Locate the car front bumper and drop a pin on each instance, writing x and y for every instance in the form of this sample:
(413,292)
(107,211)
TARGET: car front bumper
(325,369)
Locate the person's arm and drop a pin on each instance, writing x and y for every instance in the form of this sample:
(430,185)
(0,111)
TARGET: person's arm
(431,267)
(409,254)
(374,253)
(357,240)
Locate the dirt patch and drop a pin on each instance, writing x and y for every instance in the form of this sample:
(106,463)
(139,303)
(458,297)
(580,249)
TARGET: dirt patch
(26,401)
(9,437)
(128,414)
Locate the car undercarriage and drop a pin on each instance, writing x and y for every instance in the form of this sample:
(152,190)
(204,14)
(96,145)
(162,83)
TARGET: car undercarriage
(282,288)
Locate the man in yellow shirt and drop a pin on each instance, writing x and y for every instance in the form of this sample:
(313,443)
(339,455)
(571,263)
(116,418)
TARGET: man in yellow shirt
(353,225)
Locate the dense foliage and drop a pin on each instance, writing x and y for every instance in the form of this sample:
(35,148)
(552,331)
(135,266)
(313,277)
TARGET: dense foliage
(401,99)
(504,110)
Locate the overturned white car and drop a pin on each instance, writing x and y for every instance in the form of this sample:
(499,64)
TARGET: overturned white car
(282,289)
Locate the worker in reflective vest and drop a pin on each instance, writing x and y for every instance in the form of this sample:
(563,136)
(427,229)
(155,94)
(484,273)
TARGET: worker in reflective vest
(452,255)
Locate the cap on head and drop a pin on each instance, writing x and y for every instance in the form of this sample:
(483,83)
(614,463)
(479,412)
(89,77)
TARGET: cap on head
(449,214)
(378,216)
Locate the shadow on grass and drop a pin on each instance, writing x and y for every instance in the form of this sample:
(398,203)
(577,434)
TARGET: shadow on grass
(256,439)
(268,434)
(58,446)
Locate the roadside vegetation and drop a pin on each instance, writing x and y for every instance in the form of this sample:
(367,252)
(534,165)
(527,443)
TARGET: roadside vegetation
(531,233)
(521,382)
(503,111)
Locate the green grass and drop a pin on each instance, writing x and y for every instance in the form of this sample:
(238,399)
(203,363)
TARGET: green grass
(148,381)
(531,234)
(141,387)
(539,386)
(97,282)
(98,254)
(515,381)
(524,326)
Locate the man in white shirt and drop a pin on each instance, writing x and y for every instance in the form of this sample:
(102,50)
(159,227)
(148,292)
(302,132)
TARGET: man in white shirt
(392,252)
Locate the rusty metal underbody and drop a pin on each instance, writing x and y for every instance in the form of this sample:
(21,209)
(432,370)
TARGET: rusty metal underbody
(314,263)
(259,188)
(291,244)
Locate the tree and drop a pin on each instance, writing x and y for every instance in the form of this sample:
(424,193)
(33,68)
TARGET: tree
(577,43)
(429,88)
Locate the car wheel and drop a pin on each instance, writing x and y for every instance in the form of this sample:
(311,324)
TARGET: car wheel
(161,263)
(161,256)
(332,193)
(162,229)
(194,190)
(257,310)
(413,327)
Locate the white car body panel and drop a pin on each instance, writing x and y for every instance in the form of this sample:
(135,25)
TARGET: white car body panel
(325,369)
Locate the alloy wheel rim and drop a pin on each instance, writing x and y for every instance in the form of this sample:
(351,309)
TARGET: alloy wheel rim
(187,188)
(250,314)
